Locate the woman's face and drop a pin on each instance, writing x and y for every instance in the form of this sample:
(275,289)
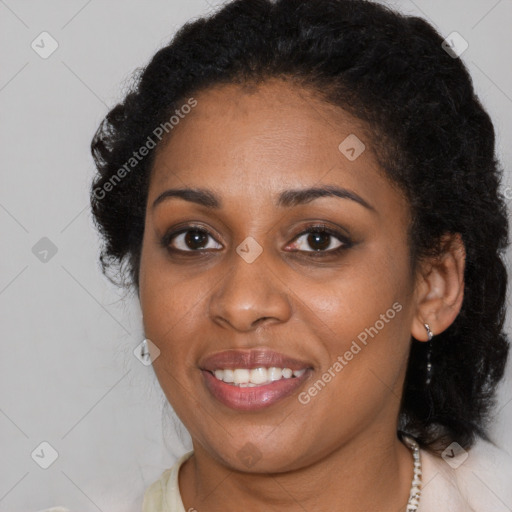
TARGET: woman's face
(246,282)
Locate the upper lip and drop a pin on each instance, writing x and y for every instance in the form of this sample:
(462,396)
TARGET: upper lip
(249,359)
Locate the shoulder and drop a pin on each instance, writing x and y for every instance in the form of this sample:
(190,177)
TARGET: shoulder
(163,495)
(476,480)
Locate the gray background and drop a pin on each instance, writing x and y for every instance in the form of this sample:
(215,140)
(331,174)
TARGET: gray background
(68,375)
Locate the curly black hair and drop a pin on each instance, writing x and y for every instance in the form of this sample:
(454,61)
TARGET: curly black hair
(433,139)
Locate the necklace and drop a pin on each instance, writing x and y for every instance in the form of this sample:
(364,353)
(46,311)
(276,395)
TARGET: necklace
(415,492)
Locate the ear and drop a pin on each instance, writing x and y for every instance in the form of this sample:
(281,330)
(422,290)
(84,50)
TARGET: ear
(440,288)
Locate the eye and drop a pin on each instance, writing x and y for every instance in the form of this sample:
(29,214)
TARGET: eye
(189,240)
(321,239)
(318,240)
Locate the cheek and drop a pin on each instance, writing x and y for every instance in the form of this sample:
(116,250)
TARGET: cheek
(354,296)
(165,302)
(363,359)
(360,315)
(168,309)
(168,306)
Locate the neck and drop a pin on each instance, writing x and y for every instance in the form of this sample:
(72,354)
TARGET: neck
(367,471)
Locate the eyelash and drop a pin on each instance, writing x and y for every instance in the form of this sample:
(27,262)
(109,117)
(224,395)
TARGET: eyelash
(346,243)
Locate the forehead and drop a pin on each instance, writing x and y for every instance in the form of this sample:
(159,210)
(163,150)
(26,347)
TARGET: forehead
(256,140)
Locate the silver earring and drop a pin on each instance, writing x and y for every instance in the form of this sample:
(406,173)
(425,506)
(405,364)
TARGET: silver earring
(144,350)
(430,335)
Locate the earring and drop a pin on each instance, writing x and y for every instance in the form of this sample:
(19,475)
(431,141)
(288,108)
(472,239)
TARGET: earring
(430,335)
(144,350)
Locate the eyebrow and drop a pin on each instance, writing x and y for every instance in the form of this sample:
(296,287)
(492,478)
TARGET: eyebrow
(287,198)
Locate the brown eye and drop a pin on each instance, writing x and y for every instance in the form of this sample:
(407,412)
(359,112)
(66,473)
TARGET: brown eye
(320,240)
(191,240)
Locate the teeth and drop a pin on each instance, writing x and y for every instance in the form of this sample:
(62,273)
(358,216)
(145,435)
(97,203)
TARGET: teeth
(256,376)
(287,373)
(241,376)
(275,373)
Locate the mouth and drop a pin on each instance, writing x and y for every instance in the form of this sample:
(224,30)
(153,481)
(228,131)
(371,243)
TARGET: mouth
(245,377)
(252,380)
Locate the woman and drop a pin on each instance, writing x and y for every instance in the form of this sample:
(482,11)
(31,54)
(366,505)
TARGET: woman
(304,194)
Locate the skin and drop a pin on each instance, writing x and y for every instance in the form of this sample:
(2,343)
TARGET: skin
(247,145)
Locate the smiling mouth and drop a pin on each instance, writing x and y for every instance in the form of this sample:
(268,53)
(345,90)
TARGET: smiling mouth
(253,377)
(252,396)
(250,380)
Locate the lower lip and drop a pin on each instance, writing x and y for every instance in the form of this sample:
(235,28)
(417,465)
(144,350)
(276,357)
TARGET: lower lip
(252,398)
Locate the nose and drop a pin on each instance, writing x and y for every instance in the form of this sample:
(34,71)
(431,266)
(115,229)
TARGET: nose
(249,295)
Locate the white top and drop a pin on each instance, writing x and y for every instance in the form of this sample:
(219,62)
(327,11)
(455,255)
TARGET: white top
(476,481)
